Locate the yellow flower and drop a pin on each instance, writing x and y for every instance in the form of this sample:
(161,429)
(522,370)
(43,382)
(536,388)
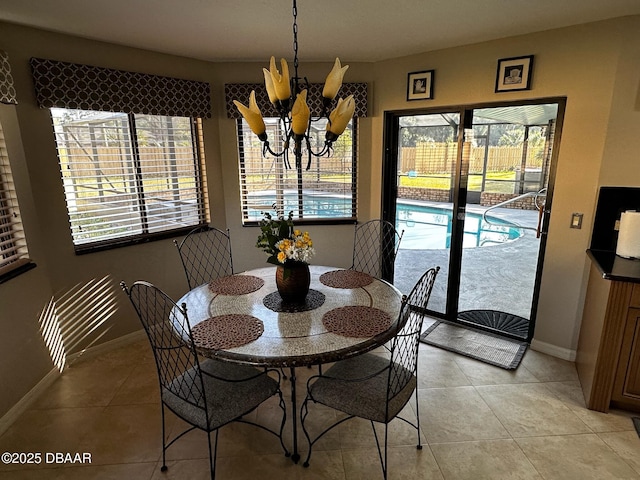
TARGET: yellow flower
(284,245)
(282,257)
(297,233)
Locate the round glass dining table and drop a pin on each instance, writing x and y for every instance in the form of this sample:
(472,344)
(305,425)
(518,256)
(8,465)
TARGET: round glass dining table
(242,318)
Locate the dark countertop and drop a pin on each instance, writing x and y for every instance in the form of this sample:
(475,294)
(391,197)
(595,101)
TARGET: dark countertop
(614,267)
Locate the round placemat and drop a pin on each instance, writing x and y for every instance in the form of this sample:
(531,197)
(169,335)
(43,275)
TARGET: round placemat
(236,284)
(345,279)
(356,321)
(274,302)
(227,331)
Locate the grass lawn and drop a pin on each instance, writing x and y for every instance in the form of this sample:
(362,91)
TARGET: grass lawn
(443,182)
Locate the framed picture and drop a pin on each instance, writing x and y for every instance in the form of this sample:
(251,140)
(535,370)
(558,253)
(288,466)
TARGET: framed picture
(514,74)
(420,85)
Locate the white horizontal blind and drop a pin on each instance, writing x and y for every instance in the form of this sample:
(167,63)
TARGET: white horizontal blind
(126,175)
(327,190)
(13,247)
(168,166)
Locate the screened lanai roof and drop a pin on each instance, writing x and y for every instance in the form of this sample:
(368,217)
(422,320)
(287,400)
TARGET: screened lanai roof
(515,115)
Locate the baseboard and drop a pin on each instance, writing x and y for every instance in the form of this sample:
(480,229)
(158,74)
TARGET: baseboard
(32,395)
(25,402)
(100,349)
(553,350)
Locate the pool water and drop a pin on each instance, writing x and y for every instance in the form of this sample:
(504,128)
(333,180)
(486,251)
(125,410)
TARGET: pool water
(429,227)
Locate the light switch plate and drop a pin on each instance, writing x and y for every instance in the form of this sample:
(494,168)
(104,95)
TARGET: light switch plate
(576,220)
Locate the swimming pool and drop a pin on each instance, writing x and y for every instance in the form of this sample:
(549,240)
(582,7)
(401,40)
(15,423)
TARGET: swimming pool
(429,227)
(425,226)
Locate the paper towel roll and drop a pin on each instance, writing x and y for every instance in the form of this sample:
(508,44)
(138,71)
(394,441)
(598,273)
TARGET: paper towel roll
(629,235)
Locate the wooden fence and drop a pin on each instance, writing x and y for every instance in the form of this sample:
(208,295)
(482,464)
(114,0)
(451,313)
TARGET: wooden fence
(109,160)
(437,158)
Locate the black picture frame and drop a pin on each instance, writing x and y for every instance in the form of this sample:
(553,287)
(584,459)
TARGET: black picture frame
(420,85)
(514,74)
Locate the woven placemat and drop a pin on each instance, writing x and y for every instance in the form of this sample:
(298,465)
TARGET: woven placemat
(356,321)
(345,279)
(274,302)
(236,284)
(227,331)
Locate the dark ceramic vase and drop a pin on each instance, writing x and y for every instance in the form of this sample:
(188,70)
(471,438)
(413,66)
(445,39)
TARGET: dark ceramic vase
(293,282)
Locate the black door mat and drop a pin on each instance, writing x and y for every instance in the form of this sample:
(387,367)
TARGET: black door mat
(498,321)
(636,423)
(486,347)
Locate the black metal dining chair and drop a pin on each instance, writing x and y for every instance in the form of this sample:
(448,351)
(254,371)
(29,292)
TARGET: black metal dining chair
(206,394)
(375,387)
(375,247)
(205,254)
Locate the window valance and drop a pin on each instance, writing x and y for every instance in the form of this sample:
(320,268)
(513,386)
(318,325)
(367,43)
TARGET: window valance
(85,87)
(7,89)
(241,91)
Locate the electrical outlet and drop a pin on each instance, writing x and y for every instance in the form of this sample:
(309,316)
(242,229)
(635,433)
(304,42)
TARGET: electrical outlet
(576,220)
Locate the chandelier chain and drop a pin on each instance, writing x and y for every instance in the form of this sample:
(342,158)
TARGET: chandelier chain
(295,40)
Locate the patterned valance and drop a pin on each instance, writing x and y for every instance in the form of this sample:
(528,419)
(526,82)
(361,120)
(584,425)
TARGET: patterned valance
(241,92)
(7,90)
(84,87)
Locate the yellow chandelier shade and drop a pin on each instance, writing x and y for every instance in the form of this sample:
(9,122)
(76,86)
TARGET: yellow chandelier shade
(334,80)
(340,116)
(300,114)
(268,83)
(280,82)
(252,114)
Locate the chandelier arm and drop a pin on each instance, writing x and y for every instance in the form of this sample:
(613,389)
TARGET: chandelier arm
(266,148)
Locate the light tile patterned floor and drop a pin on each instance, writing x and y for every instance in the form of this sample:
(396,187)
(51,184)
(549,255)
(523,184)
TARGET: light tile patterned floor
(477,421)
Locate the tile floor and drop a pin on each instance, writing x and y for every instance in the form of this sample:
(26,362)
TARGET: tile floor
(478,422)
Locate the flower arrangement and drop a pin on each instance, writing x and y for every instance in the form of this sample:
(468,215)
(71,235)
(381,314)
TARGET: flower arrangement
(284,244)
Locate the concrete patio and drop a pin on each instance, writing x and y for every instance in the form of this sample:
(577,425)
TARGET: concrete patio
(494,277)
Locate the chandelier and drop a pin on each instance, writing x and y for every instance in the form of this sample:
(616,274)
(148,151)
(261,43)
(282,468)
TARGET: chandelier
(289,96)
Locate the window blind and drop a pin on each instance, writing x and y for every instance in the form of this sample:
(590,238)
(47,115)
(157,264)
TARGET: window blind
(127,176)
(13,247)
(327,191)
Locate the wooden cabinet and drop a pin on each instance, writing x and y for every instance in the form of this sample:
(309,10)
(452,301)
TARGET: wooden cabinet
(608,355)
(626,387)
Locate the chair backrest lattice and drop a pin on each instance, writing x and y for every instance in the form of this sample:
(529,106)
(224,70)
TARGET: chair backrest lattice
(169,334)
(404,346)
(375,247)
(206,255)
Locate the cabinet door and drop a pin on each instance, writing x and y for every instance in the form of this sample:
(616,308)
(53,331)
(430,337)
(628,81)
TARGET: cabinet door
(626,389)
(635,296)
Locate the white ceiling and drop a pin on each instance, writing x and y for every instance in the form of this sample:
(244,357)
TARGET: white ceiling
(253,30)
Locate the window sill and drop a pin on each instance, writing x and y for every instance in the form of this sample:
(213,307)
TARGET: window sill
(12,271)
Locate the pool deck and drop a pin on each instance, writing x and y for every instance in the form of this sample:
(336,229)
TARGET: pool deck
(495,277)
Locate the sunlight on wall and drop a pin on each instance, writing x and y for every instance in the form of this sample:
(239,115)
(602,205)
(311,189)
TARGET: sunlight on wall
(74,320)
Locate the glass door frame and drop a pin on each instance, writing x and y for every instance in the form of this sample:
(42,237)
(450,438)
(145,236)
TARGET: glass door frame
(391,119)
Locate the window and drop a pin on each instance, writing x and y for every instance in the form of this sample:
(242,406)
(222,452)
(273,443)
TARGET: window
(128,177)
(325,192)
(13,247)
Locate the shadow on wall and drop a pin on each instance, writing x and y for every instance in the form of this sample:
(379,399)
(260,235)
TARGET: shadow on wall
(76,319)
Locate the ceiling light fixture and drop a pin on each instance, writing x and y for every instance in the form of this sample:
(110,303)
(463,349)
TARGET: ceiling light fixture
(289,96)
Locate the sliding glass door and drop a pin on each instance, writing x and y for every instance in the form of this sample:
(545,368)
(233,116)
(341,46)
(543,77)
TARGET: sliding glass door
(471,189)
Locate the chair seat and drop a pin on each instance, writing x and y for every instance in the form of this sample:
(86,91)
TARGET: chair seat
(340,388)
(227,400)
